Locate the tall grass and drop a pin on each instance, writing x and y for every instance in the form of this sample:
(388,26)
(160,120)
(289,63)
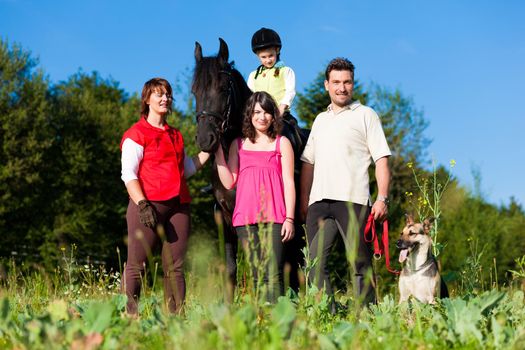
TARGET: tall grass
(80,307)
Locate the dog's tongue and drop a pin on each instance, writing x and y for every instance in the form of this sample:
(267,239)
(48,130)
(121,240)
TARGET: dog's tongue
(403,255)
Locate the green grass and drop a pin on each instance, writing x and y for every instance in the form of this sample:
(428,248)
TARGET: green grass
(80,307)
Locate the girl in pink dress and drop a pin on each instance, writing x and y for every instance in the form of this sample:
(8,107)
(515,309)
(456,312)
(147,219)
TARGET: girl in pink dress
(261,165)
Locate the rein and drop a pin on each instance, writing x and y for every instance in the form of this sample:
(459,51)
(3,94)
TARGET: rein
(370,235)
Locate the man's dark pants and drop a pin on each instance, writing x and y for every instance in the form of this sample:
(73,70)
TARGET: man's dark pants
(321,238)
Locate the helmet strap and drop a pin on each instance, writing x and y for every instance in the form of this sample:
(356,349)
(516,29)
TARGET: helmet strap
(259,70)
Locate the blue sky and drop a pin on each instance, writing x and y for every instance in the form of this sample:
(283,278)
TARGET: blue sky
(462,62)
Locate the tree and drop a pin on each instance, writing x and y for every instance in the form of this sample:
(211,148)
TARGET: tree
(87,196)
(26,137)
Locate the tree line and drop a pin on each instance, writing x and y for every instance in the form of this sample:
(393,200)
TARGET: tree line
(60,171)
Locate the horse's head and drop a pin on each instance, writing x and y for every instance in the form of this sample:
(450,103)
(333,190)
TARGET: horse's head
(218,96)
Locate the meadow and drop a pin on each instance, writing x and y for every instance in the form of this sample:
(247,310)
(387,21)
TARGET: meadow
(78,306)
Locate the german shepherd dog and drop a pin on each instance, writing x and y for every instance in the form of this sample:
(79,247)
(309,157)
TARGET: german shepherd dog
(420,276)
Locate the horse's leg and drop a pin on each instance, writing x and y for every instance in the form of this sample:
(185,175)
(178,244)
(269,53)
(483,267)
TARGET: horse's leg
(293,258)
(228,252)
(230,249)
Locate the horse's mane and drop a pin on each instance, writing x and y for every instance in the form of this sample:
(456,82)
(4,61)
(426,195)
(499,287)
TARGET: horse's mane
(244,90)
(205,77)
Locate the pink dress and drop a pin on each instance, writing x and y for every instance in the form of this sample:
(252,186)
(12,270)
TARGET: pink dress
(260,187)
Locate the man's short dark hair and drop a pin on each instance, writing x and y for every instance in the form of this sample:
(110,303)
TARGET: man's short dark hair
(339,63)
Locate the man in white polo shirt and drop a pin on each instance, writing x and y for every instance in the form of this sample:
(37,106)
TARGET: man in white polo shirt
(344,141)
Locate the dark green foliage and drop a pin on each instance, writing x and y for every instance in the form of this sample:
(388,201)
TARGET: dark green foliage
(496,234)
(90,115)
(26,139)
(313,101)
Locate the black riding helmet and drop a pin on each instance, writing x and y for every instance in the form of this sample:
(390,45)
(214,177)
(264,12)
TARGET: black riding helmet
(264,38)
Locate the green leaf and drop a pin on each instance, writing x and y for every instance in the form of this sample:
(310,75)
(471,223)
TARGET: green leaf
(58,310)
(325,343)
(283,315)
(4,309)
(97,316)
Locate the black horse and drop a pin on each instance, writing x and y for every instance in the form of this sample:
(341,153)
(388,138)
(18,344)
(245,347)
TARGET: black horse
(221,93)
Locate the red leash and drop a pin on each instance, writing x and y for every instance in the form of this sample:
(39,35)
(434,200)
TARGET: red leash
(370,228)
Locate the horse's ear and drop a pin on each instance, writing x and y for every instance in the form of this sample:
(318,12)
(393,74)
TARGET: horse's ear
(223,52)
(198,52)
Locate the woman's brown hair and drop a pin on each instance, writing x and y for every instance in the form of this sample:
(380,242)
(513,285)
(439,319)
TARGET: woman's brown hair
(154,85)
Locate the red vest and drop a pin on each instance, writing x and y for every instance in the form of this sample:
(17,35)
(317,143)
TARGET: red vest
(161,171)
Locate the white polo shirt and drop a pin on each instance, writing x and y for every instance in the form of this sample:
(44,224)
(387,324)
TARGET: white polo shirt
(341,147)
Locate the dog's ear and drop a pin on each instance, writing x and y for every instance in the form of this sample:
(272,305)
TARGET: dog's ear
(427,224)
(409,219)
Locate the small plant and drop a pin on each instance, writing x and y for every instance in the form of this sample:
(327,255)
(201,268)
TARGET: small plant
(472,272)
(428,201)
(70,267)
(313,302)
(519,273)
(262,265)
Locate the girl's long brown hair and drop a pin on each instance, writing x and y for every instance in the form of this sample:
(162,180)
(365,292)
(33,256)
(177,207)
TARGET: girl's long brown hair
(269,106)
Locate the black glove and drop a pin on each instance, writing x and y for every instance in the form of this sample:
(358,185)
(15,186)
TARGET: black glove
(147,214)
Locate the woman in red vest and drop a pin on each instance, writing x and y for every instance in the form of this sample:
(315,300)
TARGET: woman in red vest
(154,169)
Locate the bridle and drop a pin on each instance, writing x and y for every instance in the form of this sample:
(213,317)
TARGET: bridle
(222,119)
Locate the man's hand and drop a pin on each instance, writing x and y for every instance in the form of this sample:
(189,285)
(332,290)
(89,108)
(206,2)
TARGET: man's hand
(379,210)
(147,214)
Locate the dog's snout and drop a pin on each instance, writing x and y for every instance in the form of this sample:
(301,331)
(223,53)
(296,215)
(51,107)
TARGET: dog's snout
(399,244)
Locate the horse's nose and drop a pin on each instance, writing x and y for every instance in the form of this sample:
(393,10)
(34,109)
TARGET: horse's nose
(207,142)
